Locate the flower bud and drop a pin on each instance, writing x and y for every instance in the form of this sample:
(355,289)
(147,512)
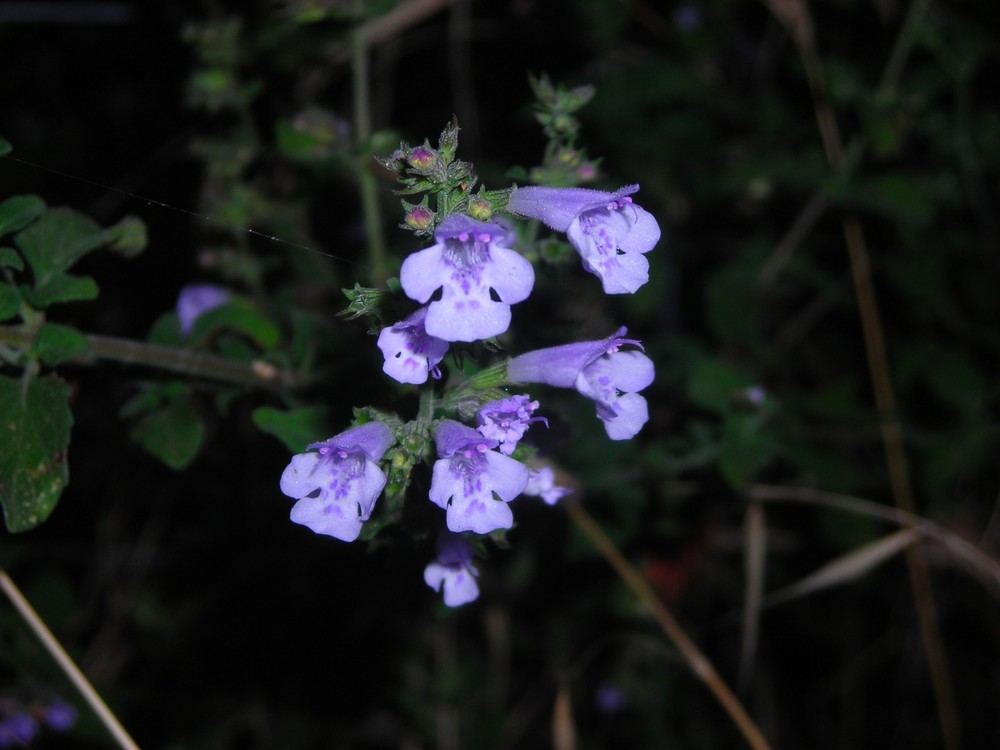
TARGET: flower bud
(480,209)
(419,218)
(422,158)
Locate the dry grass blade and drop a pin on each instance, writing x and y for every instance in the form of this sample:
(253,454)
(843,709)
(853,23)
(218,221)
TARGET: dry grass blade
(967,556)
(849,567)
(563,729)
(755,555)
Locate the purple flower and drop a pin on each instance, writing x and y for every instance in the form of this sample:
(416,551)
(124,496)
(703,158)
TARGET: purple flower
(507,420)
(410,354)
(608,230)
(469,478)
(542,484)
(599,371)
(17,730)
(479,275)
(197,299)
(337,485)
(453,571)
(59,715)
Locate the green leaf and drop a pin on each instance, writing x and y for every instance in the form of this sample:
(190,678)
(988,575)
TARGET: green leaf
(9,258)
(296,428)
(5,147)
(63,288)
(56,343)
(173,434)
(35,426)
(128,237)
(18,211)
(10,302)
(57,240)
(713,384)
(236,316)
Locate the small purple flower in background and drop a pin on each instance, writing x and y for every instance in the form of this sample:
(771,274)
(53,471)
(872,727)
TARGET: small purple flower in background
(197,299)
(17,730)
(542,483)
(598,370)
(470,476)
(610,698)
(470,263)
(507,420)
(608,230)
(410,354)
(337,485)
(59,716)
(453,571)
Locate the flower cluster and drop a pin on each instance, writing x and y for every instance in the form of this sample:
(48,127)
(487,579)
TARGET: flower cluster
(464,286)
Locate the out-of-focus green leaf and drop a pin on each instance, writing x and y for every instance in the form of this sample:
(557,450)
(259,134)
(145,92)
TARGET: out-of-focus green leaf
(9,258)
(747,447)
(63,288)
(713,383)
(56,241)
(128,237)
(18,211)
(56,343)
(5,147)
(10,302)
(173,433)
(236,316)
(296,428)
(34,428)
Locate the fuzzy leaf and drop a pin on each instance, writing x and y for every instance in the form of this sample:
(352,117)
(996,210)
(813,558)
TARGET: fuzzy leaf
(63,287)
(56,343)
(173,434)
(296,428)
(57,240)
(18,211)
(35,428)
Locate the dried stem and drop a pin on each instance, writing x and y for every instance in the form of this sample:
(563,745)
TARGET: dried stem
(885,403)
(55,649)
(691,654)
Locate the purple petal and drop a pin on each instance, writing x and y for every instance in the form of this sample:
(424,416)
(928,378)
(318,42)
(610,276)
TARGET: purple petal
(559,365)
(632,413)
(451,436)
(197,299)
(373,438)
(410,354)
(508,477)
(559,207)
(339,520)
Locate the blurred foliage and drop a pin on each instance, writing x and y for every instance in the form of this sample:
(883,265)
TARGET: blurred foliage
(244,116)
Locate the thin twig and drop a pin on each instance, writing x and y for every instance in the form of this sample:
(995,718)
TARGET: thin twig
(692,655)
(257,374)
(55,649)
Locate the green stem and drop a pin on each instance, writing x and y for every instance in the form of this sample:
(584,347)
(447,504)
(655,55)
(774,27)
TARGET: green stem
(256,374)
(367,187)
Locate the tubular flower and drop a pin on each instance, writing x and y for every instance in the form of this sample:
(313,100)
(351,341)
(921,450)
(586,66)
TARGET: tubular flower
(410,354)
(480,277)
(608,230)
(598,370)
(507,420)
(469,478)
(453,571)
(542,483)
(338,481)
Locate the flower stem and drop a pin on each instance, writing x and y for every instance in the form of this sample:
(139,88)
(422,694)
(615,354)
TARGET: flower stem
(65,662)
(257,374)
(696,660)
